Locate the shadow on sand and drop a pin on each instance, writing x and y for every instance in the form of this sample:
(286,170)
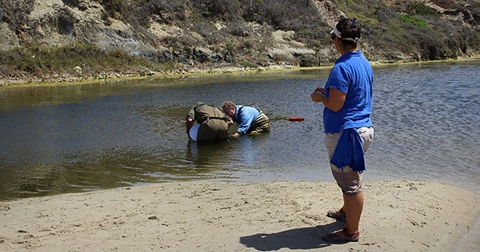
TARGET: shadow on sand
(299,238)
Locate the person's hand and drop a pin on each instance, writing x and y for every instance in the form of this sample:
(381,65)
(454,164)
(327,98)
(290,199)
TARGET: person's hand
(236,134)
(188,125)
(318,95)
(319,89)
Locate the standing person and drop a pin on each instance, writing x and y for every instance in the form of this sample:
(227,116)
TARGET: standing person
(250,120)
(212,123)
(347,97)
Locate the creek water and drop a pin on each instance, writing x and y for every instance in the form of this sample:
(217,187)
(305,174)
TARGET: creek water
(73,138)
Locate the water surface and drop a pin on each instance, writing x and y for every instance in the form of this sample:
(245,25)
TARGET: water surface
(104,135)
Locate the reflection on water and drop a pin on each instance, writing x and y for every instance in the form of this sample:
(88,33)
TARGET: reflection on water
(105,135)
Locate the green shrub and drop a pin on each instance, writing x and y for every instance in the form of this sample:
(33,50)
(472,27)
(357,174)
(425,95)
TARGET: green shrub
(412,20)
(248,64)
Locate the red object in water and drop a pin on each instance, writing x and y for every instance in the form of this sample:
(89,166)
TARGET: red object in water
(296,118)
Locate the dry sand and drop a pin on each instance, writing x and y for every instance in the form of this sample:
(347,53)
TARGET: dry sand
(216,216)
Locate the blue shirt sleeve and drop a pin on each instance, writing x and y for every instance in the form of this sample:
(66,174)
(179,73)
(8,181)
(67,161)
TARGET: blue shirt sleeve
(338,79)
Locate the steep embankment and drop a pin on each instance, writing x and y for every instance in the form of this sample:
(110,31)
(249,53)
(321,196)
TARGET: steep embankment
(194,35)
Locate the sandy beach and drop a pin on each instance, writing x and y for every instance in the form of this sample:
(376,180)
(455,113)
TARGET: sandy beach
(221,216)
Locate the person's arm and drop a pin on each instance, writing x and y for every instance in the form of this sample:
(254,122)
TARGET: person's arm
(191,112)
(191,116)
(334,101)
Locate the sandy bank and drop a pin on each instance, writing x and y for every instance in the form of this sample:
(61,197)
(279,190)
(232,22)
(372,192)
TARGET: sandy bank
(213,216)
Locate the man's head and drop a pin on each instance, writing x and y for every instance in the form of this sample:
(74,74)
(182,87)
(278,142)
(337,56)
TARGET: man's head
(229,108)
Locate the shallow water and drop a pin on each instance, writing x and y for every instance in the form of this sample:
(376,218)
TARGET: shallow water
(94,136)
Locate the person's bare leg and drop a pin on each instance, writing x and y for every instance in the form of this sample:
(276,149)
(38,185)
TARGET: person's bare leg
(353,207)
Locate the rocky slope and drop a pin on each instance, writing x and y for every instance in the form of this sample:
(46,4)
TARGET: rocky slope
(168,38)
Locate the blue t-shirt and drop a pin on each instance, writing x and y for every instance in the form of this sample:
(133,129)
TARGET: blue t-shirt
(244,116)
(353,75)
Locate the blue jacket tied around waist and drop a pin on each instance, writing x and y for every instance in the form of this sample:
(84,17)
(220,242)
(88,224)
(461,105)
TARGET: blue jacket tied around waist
(349,151)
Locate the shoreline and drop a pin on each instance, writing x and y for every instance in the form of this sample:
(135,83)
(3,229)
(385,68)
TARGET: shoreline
(228,216)
(197,72)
